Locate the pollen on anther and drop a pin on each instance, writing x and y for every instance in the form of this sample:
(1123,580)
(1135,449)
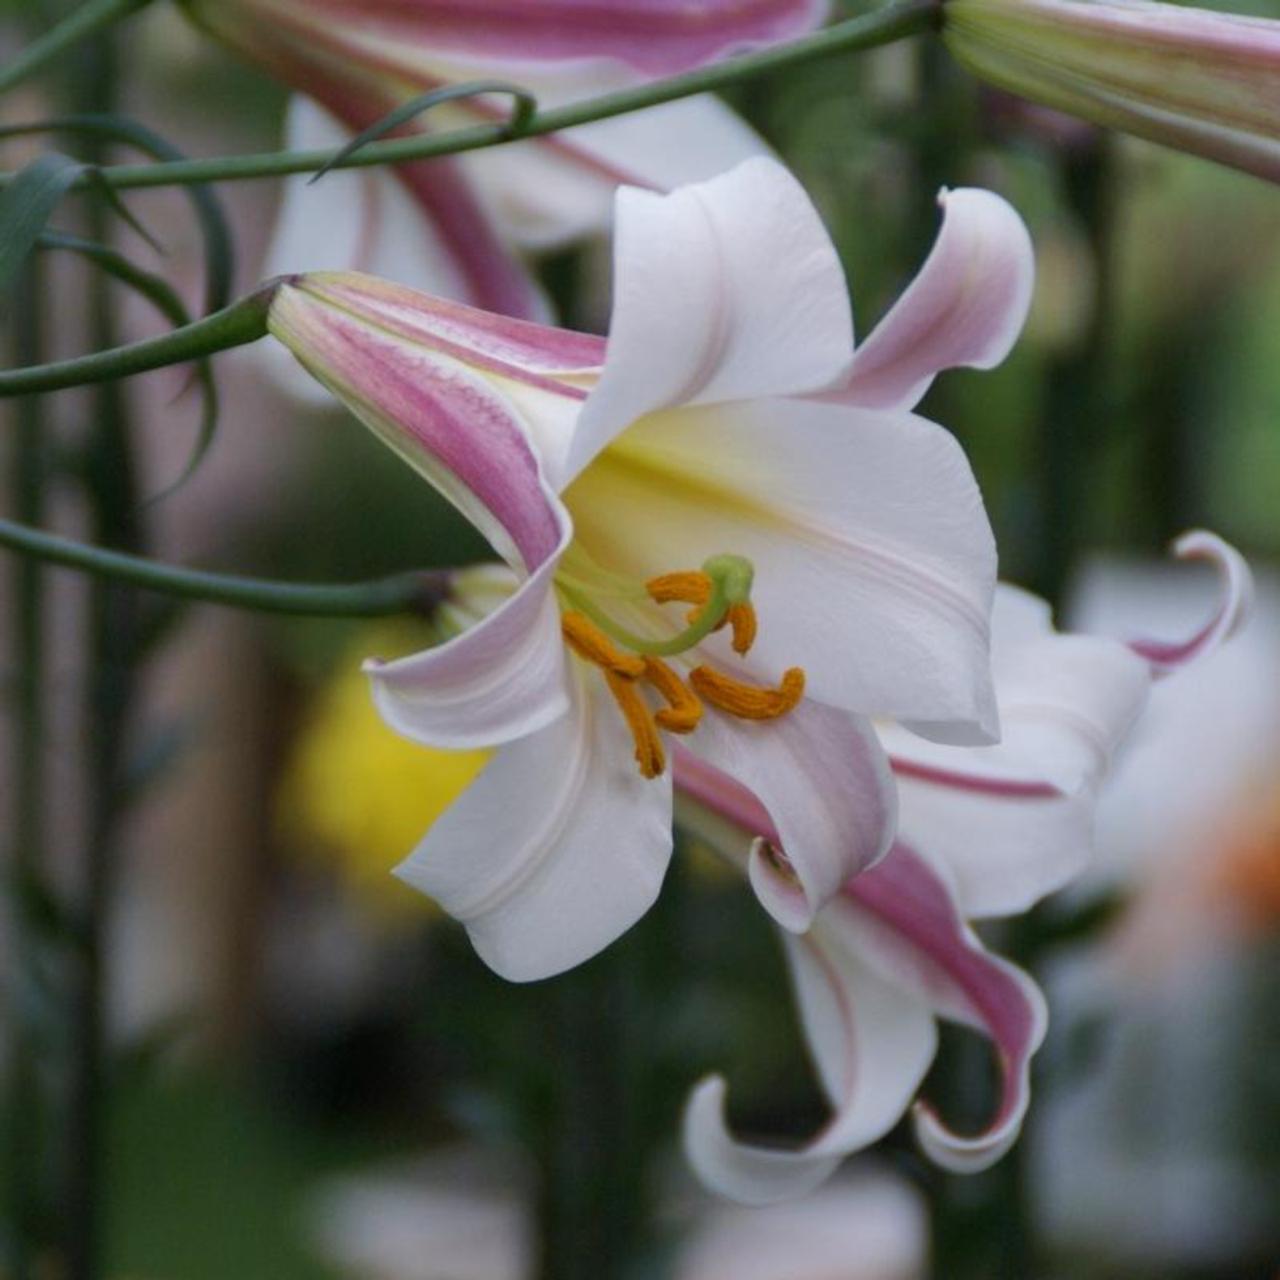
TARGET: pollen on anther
(742,618)
(683,711)
(747,701)
(589,642)
(689,586)
(649,754)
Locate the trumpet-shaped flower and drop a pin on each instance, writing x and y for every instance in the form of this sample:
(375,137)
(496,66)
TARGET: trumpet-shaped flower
(726,527)
(983,831)
(1194,79)
(450,225)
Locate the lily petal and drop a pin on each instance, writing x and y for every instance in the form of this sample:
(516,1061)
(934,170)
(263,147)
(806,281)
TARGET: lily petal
(904,922)
(966,307)
(656,37)
(339,80)
(872,1044)
(503,679)
(555,189)
(513,349)
(1008,841)
(556,849)
(1013,822)
(815,785)
(355,219)
(875,564)
(358,220)
(452,426)
(1232,613)
(750,321)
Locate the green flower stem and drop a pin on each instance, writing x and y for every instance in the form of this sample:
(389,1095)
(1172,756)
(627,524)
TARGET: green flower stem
(86,21)
(26,1100)
(418,592)
(884,26)
(242,322)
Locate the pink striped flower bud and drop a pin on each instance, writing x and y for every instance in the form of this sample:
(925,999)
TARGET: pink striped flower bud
(1197,80)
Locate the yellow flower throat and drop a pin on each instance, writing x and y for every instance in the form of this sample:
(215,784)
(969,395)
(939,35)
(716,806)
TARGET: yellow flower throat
(719,594)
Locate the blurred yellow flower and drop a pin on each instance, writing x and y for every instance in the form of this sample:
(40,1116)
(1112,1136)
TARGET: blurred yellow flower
(358,794)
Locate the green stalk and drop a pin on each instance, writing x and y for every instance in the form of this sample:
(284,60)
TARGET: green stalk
(885,26)
(402,593)
(86,21)
(116,514)
(28,1177)
(242,322)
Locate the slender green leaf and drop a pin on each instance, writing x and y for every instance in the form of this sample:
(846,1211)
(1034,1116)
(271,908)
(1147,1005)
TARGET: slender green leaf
(161,294)
(26,206)
(219,257)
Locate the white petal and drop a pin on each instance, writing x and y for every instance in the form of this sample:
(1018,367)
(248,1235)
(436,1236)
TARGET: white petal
(966,307)
(824,785)
(1014,821)
(552,190)
(902,920)
(875,564)
(392,223)
(1232,613)
(1006,840)
(503,679)
(724,290)
(872,1045)
(558,848)
(355,220)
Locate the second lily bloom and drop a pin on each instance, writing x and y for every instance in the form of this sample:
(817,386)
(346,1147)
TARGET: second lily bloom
(725,527)
(455,225)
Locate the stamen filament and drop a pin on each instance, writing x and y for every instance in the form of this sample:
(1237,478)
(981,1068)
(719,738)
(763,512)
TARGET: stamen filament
(683,711)
(746,701)
(649,754)
(589,642)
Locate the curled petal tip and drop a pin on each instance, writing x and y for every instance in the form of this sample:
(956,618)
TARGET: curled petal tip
(965,308)
(748,1174)
(1235,605)
(973,1154)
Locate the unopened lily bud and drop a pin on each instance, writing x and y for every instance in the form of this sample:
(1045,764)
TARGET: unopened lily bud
(1196,80)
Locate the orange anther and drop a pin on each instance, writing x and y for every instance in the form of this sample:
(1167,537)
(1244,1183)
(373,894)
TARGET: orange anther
(649,753)
(742,618)
(683,711)
(589,642)
(691,586)
(744,700)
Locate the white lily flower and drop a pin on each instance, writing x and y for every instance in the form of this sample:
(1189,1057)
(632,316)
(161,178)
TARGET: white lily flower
(727,453)
(983,831)
(453,226)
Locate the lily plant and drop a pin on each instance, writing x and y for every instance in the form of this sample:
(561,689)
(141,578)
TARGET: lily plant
(984,833)
(454,226)
(726,533)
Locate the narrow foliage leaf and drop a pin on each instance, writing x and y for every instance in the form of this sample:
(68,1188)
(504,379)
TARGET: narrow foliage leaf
(26,205)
